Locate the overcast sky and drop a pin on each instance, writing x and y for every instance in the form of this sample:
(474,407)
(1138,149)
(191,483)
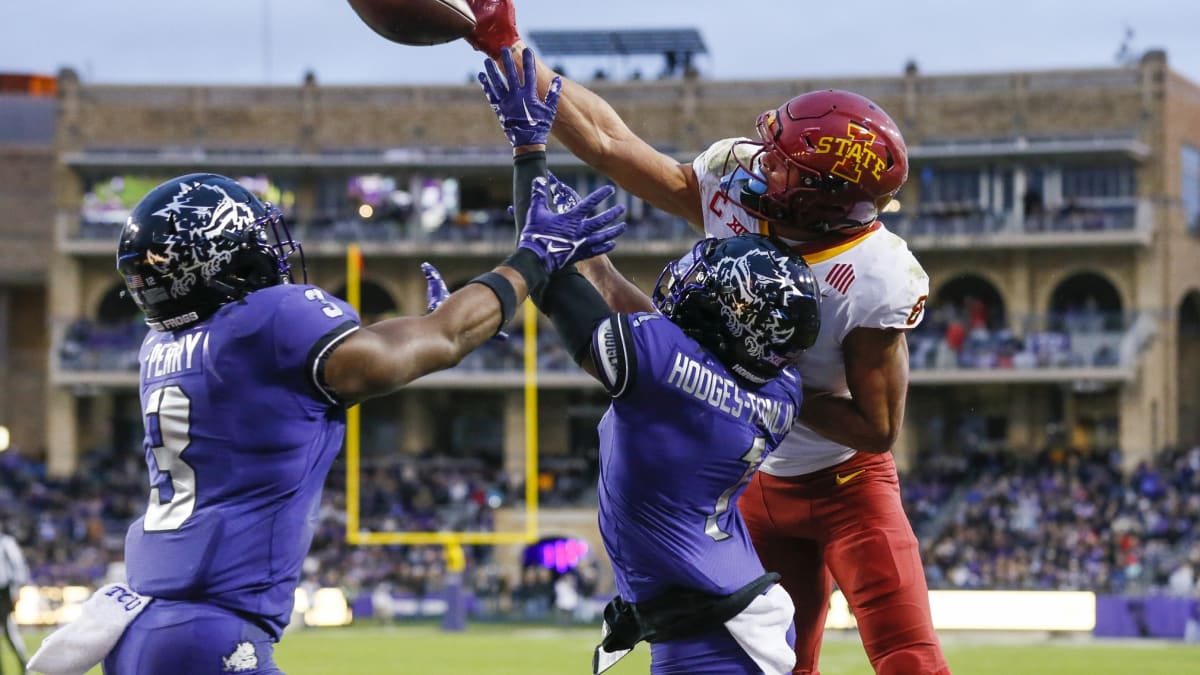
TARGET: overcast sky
(276,41)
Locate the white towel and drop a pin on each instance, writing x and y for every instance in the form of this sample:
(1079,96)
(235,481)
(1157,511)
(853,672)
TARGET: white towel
(762,628)
(80,645)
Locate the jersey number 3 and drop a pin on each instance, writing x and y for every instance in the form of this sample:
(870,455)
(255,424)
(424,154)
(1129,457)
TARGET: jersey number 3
(172,480)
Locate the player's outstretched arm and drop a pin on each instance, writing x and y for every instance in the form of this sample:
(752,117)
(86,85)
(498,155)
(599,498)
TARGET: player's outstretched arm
(526,119)
(876,363)
(619,293)
(593,131)
(385,356)
(576,309)
(589,127)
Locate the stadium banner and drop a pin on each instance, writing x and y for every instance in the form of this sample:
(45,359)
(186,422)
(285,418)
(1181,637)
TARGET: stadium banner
(55,605)
(1146,617)
(1060,611)
(1057,611)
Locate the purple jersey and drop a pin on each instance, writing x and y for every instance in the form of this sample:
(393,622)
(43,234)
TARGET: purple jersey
(240,434)
(677,447)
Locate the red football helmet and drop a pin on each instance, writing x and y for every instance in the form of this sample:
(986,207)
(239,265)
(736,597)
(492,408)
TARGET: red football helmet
(827,160)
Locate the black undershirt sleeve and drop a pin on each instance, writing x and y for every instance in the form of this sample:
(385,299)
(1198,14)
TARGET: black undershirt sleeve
(575,308)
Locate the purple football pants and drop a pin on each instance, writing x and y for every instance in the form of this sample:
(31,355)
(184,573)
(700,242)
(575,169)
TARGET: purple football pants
(714,652)
(186,638)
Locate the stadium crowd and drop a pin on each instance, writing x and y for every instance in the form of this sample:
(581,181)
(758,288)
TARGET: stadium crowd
(960,336)
(1056,520)
(1069,520)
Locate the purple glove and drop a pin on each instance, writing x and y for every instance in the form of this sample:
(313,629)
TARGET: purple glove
(525,118)
(562,196)
(437,292)
(559,239)
(436,289)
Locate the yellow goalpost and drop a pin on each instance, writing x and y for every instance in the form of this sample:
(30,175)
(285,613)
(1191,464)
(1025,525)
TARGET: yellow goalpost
(452,540)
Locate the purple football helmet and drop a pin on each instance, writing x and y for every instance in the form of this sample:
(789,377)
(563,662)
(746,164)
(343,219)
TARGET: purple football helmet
(747,299)
(197,242)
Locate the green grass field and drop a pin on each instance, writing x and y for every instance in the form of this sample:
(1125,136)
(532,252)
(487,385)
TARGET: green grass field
(519,650)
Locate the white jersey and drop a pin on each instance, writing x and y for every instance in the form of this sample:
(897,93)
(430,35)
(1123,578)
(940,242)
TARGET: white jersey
(14,573)
(869,280)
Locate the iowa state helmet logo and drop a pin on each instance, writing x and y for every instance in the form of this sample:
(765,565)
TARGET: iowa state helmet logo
(855,153)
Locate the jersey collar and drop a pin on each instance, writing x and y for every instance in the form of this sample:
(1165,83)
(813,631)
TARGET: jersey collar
(825,248)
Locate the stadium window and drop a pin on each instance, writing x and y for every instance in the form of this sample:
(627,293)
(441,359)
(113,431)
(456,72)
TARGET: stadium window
(1087,183)
(108,201)
(1190,189)
(949,186)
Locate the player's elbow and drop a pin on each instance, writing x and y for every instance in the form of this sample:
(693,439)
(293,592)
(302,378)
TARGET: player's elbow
(880,438)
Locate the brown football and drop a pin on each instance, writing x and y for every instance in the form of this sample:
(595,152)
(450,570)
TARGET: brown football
(416,22)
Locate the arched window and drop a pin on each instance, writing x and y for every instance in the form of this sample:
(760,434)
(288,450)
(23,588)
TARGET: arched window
(972,300)
(1188,342)
(116,307)
(1085,303)
(376,301)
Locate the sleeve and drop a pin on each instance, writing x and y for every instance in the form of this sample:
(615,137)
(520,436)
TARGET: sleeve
(308,324)
(903,290)
(22,566)
(18,571)
(712,164)
(615,355)
(723,217)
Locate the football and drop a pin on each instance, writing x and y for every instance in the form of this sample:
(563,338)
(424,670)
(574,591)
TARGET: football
(416,22)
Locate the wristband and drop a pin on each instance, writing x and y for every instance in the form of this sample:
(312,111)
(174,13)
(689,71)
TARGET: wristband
(530,267)
(527,166)
(504,292)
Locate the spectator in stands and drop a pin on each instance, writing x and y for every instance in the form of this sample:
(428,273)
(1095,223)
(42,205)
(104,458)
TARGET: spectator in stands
(14,573)
(566,596)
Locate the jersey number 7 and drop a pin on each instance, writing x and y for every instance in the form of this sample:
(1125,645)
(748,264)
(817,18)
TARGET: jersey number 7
(753,457)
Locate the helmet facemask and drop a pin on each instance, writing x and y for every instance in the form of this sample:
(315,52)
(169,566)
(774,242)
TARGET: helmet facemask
(803,198)
(263,258)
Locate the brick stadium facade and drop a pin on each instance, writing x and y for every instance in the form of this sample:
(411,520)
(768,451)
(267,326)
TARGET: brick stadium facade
(992,154)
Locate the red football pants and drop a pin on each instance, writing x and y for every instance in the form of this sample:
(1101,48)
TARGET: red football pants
(847,520)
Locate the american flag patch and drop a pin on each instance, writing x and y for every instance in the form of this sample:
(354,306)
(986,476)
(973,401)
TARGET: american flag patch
(135,280)
(841,276)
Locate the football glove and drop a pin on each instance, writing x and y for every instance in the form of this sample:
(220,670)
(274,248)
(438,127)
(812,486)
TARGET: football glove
(495,26)
(525,118)
(559,239)
(563,197)
(436,292)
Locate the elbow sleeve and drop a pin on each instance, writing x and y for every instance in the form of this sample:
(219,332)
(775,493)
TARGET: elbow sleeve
(575,308)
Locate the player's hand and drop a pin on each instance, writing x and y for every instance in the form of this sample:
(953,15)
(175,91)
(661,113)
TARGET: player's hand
(435,287)
(436,292)
(562,197)
(559,239)
(495,26)
(525,118)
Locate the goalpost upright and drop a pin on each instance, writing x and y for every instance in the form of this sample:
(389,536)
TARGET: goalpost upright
(354,532)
